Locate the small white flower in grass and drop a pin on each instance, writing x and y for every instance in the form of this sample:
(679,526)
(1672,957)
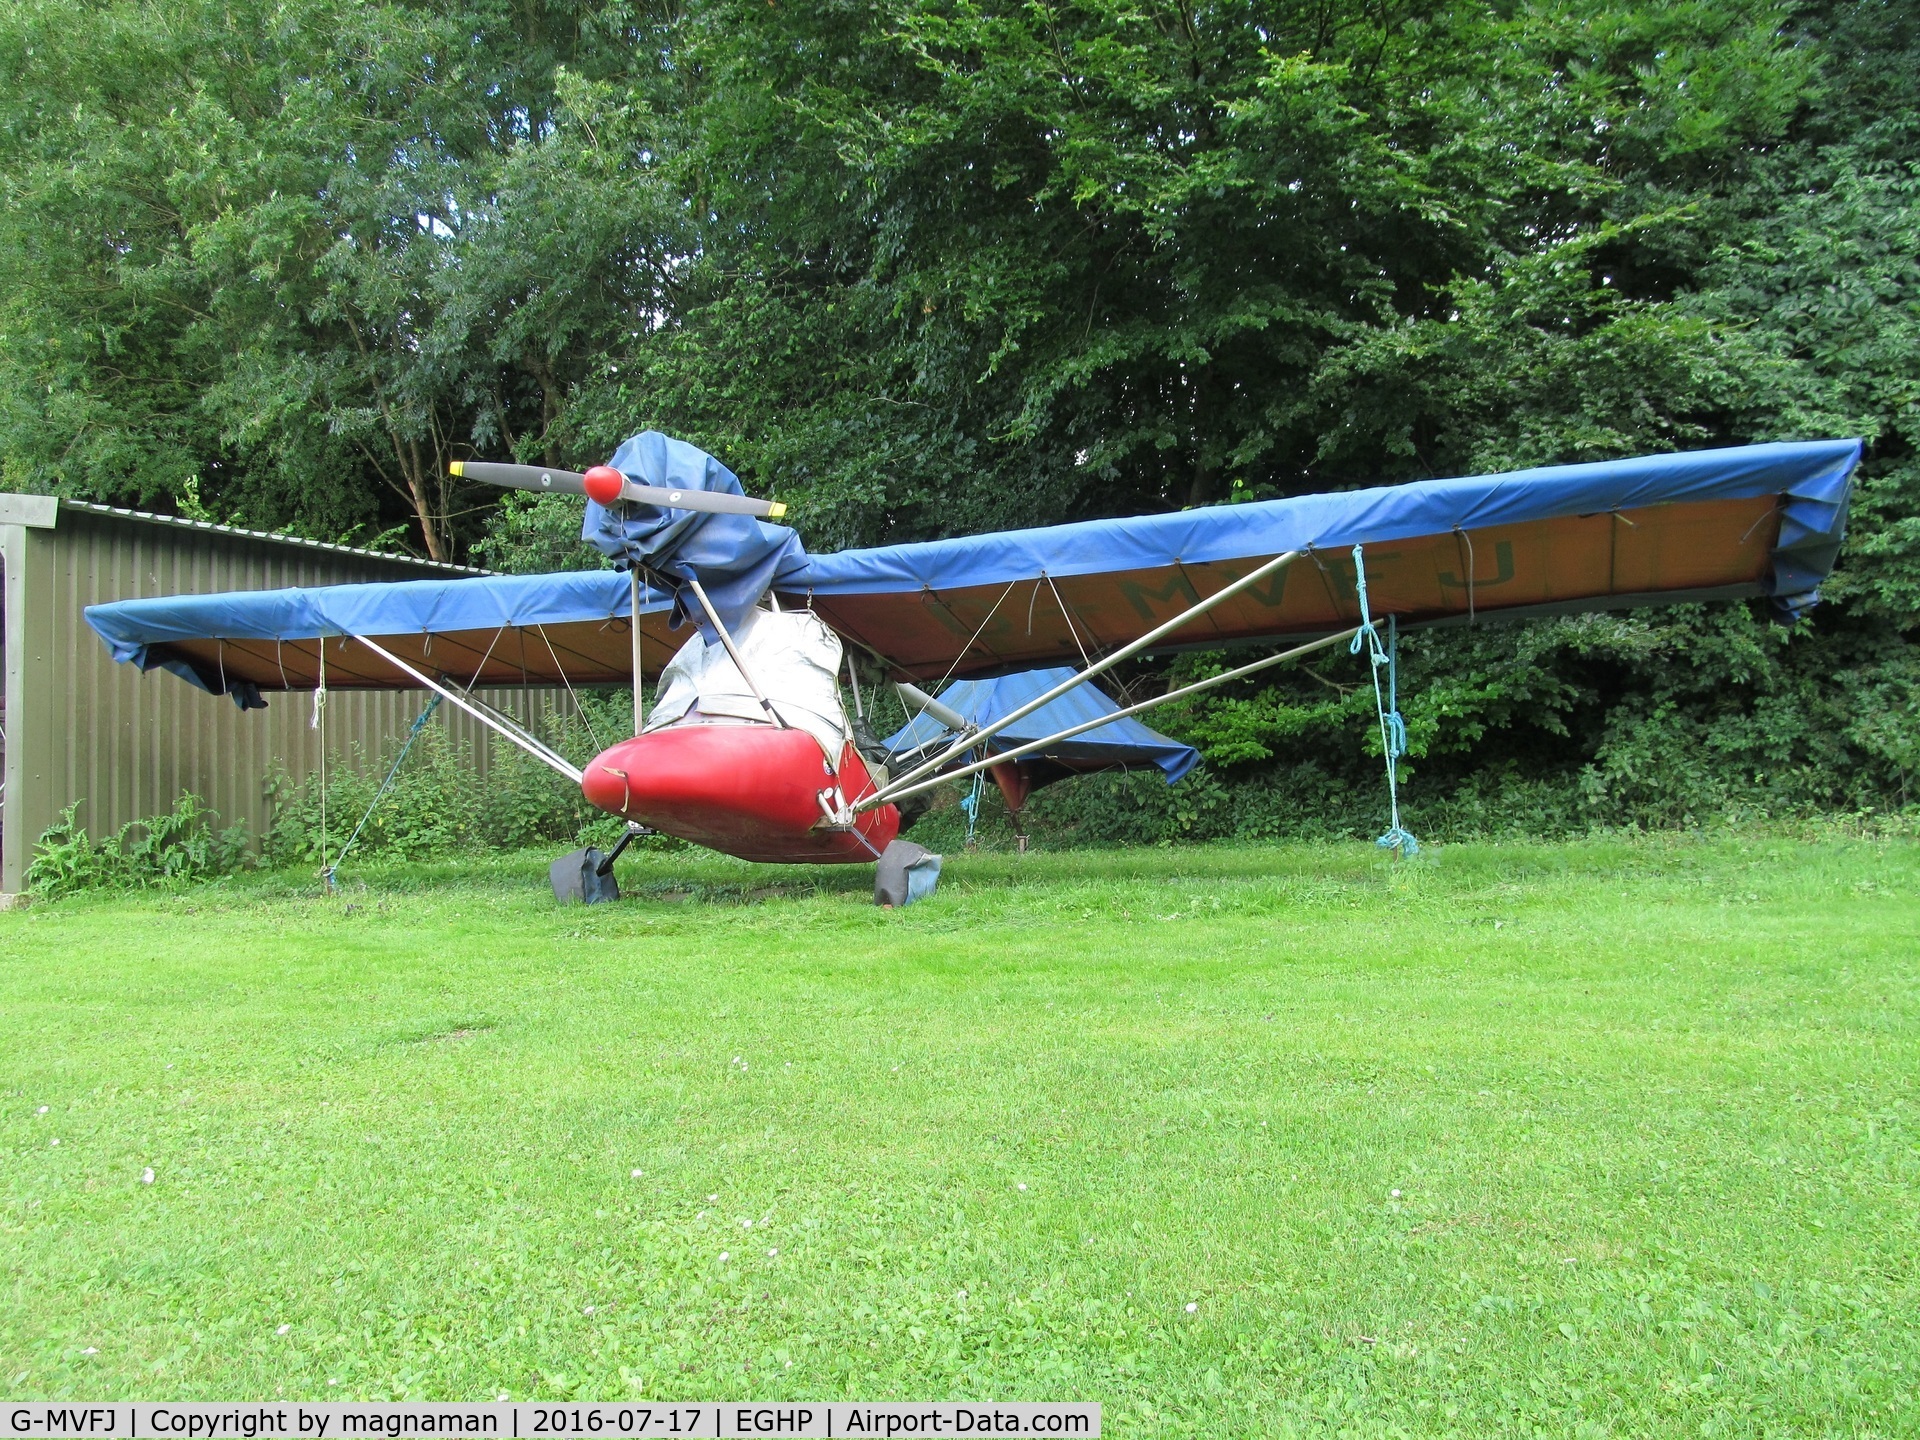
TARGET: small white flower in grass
(284,1330)
(333,1382)
(1021,1186)
(41,1111)
(56,1140)
(1395,1194)
(772,1253)
(91,1350)
(746,1224)
(713,1197)
(587,1311)
(169,1067)
(724,1257)
(636,1175)
(1192,1306)
(503,1396)
(146,1176)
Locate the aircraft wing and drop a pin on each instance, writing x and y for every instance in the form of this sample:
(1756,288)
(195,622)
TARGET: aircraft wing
(1760,520)
(571,628)
(1708,525)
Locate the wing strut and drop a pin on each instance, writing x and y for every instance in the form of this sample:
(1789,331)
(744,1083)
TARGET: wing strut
(639,681)
(1134,647)
(527,742)
(719,626)
(907,786)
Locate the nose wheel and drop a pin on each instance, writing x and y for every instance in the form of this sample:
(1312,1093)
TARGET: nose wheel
(907,872)
(586,876)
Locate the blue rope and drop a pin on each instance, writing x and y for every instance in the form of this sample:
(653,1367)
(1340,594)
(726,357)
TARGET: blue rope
(1386,704)
(970,803)
(385,785)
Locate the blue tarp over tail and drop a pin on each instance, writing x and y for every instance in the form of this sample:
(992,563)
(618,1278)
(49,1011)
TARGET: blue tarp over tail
(1119,742)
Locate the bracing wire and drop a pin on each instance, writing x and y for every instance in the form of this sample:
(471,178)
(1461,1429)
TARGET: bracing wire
(1072,629)
(578,708)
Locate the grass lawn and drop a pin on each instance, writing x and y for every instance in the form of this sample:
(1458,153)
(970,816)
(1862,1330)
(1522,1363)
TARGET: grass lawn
(1590,1139)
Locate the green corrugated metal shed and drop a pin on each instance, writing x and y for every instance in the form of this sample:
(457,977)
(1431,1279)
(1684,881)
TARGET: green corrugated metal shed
(77,726)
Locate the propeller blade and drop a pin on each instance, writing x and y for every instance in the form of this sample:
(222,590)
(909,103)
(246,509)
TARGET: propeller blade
(543,480)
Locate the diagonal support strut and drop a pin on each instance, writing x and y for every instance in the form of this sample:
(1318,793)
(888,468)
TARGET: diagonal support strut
(512,732)
(902,790)
(1100,667)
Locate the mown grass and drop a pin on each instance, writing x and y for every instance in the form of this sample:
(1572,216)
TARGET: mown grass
(1585,1139)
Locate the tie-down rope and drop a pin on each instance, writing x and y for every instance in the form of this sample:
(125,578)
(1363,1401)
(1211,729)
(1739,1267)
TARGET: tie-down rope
(1386,703)
(385,785)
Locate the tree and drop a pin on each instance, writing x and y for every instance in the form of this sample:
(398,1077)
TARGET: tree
(277,256)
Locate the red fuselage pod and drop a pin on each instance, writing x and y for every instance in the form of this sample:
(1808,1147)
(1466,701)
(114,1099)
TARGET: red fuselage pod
(749,790)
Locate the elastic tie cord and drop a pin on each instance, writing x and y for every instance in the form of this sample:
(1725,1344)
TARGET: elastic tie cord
(1467,540)
(319,723)
(1386,701)
(419,724)
(970,802)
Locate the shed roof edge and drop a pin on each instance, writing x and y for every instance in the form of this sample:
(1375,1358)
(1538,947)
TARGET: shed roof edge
(88,507)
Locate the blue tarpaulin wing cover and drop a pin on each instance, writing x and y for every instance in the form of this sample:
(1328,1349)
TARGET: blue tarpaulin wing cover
(1755,521)
(1118,742)
(1749,522)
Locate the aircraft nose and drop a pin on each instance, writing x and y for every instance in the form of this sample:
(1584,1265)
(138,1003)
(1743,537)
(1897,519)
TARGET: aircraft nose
(605,784)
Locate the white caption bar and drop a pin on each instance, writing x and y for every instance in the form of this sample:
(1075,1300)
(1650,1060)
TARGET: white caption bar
(531,1419)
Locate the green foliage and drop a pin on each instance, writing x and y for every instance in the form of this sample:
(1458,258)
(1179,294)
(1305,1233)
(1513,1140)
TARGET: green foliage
(301,256)
(442,801)
(177,848)
(536,535)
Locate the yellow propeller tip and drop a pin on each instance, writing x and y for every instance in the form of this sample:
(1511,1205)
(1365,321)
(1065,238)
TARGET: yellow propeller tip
(458,467)
(775,510)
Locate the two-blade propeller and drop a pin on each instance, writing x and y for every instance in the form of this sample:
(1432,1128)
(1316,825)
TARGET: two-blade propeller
(607,486)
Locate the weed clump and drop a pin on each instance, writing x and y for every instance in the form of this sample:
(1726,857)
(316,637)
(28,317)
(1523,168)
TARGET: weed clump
(180,847)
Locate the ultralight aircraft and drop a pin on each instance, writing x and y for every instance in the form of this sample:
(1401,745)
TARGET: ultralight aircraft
(754,746)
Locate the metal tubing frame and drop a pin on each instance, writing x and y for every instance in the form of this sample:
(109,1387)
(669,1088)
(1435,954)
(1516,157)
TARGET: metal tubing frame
(713,618)
(547,751)
(526,742)
(902,791)
(853,679)
(1100,667)
(639,677)
(945,714)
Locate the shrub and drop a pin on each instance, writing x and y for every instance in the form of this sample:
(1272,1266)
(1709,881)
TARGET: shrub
(440,801)
(175,848)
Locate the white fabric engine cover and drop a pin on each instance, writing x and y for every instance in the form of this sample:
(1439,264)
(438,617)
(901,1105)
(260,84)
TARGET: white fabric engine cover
(794,658)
